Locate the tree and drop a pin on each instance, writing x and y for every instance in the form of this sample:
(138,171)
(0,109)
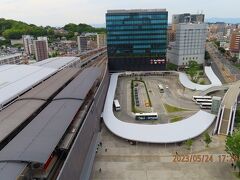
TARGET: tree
(207,139)
(171,67)
(193,70)
(207,55)
(222,50)
(202,82)
(217,43)
(234,59)
(189,143)
(233,147)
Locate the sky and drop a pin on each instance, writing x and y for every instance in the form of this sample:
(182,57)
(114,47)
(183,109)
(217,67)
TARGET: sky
(61,12)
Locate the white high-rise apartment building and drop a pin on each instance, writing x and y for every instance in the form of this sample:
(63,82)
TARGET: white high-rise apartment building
(82,43)
(101,40)
(189,44)
(27,43)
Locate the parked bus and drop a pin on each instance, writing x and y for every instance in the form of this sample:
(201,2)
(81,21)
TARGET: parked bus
(206,105)
(116,105)
(200,101)
(194,98)
(161,88)
(146,116)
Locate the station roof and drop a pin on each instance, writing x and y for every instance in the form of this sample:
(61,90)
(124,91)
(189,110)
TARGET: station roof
(57,62)
(85,80)
(11,170)
(186,82)
(47,88)
(16,79)
(16,114)
(37,141)
(161,133)
(26,105)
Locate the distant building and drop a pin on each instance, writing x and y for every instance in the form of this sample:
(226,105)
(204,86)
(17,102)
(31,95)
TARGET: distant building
(186,17)
(170,34)
(82,43)
(101,40)
(221,27)
(16,41)
(189,45)
(137,39)
(235,44)
(41,48)
(11,59)
(27,44)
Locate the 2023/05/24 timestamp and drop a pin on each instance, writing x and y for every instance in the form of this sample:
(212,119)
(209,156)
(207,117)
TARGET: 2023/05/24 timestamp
(204,158)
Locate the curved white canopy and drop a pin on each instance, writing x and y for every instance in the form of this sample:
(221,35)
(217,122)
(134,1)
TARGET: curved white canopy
(161,133)
(186,82)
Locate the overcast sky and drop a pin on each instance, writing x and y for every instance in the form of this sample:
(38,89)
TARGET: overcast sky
(60,12)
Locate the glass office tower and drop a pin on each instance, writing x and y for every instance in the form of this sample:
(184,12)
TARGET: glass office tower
(137,39)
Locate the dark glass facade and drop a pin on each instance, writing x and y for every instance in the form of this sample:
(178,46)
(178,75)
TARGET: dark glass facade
(137,40)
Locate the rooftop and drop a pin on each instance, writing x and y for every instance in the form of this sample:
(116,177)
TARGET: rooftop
(10,56)
(38,139)
(136,10)
(57,62)
(17,79)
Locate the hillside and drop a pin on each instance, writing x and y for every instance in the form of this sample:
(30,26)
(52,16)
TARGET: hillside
(11,29)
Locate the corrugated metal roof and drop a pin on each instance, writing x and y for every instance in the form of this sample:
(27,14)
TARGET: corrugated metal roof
(37,141)
(16,79)
(57,62)
(11,170)
(18,112)
(13,116)
(80,86)
(47,88)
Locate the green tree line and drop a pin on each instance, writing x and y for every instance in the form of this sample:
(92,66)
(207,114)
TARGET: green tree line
(11,29)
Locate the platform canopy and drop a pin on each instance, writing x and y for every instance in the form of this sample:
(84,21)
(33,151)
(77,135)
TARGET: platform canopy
(16,79)
(186,82)
(57,62)
(161,133)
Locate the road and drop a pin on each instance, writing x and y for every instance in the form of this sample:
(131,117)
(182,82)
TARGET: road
(221,66)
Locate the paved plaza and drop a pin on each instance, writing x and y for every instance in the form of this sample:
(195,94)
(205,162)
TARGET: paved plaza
(119,160)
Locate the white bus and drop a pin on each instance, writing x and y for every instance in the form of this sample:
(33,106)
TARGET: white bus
(200,101)
(161,88)
(206,105)
(194,98)
(146,116)
(116,105)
